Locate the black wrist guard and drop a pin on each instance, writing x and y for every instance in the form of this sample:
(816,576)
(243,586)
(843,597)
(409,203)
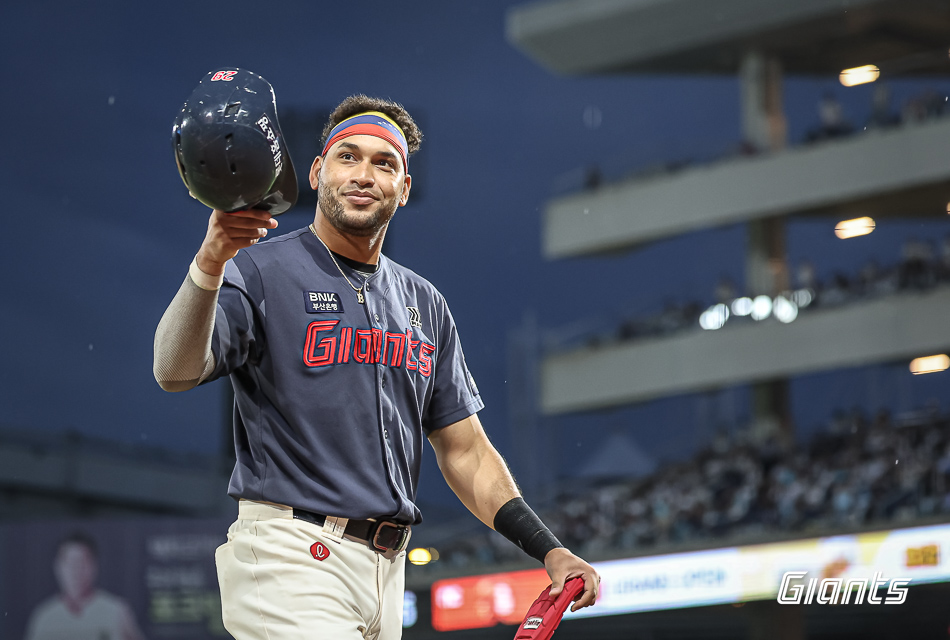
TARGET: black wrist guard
(517,522)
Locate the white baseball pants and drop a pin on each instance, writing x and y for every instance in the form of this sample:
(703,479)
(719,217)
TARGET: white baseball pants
(287,579)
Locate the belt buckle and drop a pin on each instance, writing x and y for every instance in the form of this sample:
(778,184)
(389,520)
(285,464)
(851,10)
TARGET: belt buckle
(402,533)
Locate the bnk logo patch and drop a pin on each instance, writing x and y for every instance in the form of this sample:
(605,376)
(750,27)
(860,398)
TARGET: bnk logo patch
(322,302)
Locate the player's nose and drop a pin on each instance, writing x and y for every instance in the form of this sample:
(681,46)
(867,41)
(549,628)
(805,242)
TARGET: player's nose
(363,174)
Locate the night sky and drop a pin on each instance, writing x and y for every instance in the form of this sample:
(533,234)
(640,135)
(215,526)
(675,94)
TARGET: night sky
(101,229)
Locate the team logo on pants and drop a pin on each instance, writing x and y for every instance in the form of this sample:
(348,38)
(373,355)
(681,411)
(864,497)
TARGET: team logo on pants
(319,551)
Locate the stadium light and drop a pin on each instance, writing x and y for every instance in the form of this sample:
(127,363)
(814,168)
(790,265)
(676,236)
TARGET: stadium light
(785,310)
(929,364)
(761,308)
(803,297)
(854,228)
(859,75)
(714,317)
(742,306)
(420,556)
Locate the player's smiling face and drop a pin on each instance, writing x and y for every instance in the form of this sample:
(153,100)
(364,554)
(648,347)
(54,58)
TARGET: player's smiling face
(360,182)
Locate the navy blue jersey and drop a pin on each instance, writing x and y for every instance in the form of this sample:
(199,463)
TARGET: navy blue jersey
(333,398)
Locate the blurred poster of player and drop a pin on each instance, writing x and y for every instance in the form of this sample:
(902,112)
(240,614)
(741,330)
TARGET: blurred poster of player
(80,610)
(146,577)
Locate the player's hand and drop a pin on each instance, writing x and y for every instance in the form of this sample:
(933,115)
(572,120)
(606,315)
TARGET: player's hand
(228,233)
(563,565)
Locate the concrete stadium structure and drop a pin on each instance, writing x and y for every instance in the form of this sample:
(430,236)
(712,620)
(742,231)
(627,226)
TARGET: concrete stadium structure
(902,171)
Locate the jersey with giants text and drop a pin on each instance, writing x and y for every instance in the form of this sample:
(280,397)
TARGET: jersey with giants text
(333,398)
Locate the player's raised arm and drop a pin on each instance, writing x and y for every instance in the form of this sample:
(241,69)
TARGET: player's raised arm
(182,348)
(478,475)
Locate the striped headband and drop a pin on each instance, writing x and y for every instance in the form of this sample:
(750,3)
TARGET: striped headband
(371,123)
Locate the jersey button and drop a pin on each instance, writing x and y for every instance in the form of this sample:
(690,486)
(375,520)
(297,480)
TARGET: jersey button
(386,432)
(376,317)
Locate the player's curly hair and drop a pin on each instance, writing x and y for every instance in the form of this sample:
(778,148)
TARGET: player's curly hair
(361,103)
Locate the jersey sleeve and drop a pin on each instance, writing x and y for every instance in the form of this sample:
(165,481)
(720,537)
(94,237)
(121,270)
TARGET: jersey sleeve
(454,395)
(238,336)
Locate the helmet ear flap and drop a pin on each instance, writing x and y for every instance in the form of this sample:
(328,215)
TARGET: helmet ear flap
(228,146)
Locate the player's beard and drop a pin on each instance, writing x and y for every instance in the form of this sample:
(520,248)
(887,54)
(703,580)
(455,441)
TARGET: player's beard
(368,224)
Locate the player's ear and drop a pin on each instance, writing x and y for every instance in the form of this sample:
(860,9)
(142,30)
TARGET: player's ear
(315,172)
(404,198)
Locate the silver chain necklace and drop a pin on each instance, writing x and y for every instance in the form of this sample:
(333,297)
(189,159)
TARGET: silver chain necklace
(358,290)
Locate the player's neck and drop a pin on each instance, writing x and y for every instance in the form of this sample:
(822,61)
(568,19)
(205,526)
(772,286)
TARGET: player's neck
(358,248)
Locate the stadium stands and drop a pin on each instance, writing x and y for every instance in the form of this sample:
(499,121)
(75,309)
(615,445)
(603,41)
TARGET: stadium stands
(859,472)
(923,264)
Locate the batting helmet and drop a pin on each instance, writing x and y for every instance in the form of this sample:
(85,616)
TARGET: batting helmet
(229,148)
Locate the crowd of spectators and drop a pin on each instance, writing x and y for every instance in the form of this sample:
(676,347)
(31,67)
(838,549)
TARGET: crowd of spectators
(923,265)
(857,472)
(832,122)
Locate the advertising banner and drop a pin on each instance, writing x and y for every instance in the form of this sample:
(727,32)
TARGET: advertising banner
(148,578)
(92,580)
(666,582)
(155,578)
(484,601)
(917,553)
(738,574)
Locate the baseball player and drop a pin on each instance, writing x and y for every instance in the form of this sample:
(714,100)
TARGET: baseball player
(342,362)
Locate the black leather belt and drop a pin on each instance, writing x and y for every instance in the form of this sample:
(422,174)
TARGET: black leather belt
(380,534)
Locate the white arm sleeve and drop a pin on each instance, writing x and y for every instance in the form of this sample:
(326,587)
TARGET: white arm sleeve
(182,350)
